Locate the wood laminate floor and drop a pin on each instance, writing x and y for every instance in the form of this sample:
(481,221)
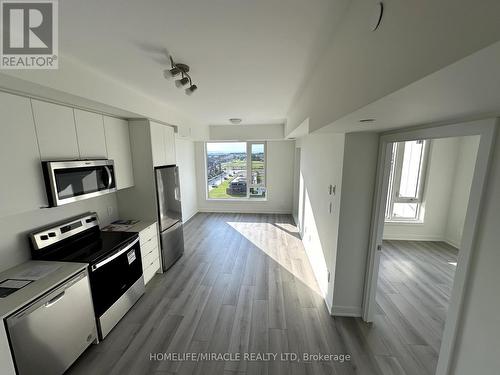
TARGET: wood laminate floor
(244,285)
(414,286)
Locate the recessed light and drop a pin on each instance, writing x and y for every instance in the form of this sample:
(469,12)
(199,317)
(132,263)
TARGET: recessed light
(367,120)
(235,120)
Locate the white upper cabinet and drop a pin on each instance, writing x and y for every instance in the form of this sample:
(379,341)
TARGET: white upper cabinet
(118,146)
(90,135)
(162,144)
(55,129)
(157,144)
(22,187)
(169,139)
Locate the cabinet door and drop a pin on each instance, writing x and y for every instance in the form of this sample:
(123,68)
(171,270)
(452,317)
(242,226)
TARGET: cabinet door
(169,141)
(90,135)
(118,146)
(158,144)
(55,128)
(21,188)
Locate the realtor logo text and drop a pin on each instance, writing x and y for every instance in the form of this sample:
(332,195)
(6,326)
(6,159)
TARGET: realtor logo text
(29,34)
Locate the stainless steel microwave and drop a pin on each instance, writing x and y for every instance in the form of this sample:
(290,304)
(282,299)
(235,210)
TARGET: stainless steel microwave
(72,181)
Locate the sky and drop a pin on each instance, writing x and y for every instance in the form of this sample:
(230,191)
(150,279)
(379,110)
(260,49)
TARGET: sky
(228,147)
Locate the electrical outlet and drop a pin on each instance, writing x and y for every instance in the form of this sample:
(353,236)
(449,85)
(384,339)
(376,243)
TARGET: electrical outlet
(110,211)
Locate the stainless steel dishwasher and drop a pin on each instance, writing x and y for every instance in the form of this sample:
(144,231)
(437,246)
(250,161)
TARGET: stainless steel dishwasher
(49,334)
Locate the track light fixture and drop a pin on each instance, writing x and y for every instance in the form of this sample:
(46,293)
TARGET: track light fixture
(185,79)
(182,82)
(169,73)
(191,89)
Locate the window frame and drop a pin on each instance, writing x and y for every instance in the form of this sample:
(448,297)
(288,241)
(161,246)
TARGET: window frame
(248,149)
(395,182)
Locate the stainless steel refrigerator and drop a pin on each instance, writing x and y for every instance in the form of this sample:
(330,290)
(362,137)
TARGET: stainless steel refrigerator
(168,195)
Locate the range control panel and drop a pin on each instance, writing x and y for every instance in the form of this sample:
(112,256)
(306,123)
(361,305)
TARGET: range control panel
(62,230)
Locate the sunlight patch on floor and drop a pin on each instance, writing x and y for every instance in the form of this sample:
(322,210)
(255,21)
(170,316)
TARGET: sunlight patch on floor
(254,233)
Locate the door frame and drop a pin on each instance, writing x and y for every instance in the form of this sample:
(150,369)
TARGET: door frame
(486,129)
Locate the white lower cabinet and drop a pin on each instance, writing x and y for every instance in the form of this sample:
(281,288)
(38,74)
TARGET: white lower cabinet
(150,249)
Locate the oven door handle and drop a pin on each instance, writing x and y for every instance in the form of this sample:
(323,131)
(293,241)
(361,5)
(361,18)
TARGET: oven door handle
(114,256)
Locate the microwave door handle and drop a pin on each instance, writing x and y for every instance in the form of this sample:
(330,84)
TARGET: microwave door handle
(110,176)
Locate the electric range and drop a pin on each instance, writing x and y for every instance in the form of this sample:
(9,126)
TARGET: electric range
(114,258)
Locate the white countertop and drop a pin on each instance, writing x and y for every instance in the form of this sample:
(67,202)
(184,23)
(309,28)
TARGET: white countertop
(137,227)
(37,288)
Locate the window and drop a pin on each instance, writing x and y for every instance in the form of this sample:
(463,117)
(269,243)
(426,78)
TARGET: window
(406,181)
(236,170)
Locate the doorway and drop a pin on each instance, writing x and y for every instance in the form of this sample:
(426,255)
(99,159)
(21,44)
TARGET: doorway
(429,186)
(408,203)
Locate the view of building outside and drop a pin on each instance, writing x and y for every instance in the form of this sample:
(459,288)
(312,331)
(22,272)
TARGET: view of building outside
(227,170)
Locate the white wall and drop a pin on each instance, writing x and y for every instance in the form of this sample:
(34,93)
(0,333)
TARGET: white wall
(246,132)
(14,245)
(464,171)
(184,155)
(358,181)
(279,174)
(479,331)
(321,160)
(359,66)
(446,193)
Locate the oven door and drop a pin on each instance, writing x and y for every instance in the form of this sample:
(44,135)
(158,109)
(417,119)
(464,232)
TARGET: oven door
(71,181)
(116,283)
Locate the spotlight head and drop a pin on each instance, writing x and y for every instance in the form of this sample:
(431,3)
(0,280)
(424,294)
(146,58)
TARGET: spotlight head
(191,89)
(182,82)
(169,73)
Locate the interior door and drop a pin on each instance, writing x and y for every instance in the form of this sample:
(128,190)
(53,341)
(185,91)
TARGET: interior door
(377,232)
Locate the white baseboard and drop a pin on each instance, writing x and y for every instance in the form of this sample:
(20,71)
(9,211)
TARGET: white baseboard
(328,306)
(413,237)
(423,238)
(245,211)
(185,220)
(353,311)
(456,245)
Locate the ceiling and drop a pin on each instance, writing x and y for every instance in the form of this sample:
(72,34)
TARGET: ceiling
(248,58)
(464,90)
